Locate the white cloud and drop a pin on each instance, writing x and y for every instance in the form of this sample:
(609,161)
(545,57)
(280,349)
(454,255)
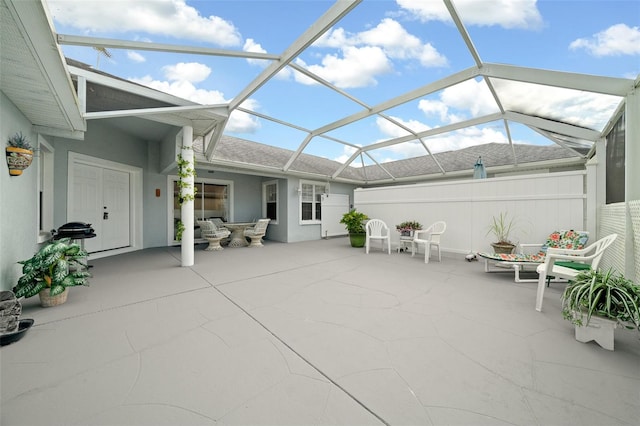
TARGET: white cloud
(192,72)
(470,95)
(347,153)
(393,131)
(618,39)
(173,18)
(358,67)
(180,83)
(251,46)
(465,100)
(135,56)
(504,13)
(430,107)
(364,56)
(241,122)
(399,44)
(586,109)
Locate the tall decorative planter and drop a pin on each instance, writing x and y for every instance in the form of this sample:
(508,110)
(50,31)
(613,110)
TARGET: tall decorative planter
(18,159)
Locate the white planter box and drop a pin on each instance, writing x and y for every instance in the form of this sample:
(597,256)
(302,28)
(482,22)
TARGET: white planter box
(599,329)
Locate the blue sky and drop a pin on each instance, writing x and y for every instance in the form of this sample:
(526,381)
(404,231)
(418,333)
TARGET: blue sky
(377,52)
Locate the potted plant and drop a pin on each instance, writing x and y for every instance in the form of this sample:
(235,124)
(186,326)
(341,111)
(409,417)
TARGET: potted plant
(354,223)
(407,227)
(596,302)
(501,227)
(19,154)
(57,266)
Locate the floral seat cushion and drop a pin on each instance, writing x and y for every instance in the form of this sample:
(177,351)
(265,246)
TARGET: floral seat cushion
(572,240)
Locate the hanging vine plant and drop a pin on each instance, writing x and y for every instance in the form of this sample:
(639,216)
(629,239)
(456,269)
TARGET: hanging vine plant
(185,171)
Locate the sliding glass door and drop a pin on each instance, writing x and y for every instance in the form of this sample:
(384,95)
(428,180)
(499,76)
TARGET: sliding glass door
(214,199)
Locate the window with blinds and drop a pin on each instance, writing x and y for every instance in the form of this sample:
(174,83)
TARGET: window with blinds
(310,201)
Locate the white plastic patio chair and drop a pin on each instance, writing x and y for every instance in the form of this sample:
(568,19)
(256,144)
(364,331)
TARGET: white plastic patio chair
(212,234)
(564,263)
(430,237)
(376,229)
(257,232)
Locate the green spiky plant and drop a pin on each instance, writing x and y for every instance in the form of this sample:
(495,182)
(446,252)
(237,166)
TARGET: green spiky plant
(606,294)
(19,141)
(57,265)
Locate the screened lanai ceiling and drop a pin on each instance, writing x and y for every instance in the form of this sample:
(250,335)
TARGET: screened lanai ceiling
(366,83)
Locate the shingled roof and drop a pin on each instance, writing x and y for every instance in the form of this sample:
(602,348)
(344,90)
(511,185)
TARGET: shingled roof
(248,154)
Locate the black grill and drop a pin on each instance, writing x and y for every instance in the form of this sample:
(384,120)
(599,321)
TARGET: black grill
(74,230)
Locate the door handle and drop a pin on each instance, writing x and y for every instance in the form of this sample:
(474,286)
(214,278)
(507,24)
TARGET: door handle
(105,215)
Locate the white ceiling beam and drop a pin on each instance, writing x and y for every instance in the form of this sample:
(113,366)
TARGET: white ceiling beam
(558,141)
(407,97)
(212,138)
(435,131)
(553,126)
(216,112)
(463,32)
(326,21)
(73,40)
(566,80)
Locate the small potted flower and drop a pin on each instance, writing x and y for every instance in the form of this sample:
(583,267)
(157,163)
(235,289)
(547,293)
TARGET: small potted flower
(407,228)
(19,154)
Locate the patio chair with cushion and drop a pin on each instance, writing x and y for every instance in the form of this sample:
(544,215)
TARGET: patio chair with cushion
(257,232)
(565,263)
(430,237)
(376,229)
(213,234)
(527,258)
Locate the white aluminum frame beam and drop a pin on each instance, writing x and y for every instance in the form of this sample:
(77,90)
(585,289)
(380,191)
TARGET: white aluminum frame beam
(73,40)
(339,10)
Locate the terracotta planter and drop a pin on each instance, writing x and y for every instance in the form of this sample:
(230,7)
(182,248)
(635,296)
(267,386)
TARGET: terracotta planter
(46,300)
(18,159)
(503,248)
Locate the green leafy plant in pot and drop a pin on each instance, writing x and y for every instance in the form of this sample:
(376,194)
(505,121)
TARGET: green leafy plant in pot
(57,266)
(595,295)
(354,222)
(501,227)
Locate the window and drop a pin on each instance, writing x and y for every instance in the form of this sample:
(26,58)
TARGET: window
(214,199)
(310,206)
(615,162)
(45,189)
(270,201)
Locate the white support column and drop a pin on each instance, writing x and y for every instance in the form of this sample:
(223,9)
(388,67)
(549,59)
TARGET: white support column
(187,211)
(632,146)
(631,172)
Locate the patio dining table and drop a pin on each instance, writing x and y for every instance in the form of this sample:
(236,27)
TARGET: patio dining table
(237,233)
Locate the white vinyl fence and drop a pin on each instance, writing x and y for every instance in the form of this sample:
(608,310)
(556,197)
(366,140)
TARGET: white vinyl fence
(539,203)
(624,254)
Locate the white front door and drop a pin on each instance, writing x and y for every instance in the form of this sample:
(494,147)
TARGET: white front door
(101,197)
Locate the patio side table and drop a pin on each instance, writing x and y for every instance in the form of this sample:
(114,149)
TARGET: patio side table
(405,244)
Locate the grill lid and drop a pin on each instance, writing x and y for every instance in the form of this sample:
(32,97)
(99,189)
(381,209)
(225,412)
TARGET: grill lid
(74,230)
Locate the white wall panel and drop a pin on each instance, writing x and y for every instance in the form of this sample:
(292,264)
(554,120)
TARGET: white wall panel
(541,204)
(613,219)
(634,210)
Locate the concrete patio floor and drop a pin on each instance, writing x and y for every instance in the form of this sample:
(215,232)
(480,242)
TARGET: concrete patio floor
(313,333)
